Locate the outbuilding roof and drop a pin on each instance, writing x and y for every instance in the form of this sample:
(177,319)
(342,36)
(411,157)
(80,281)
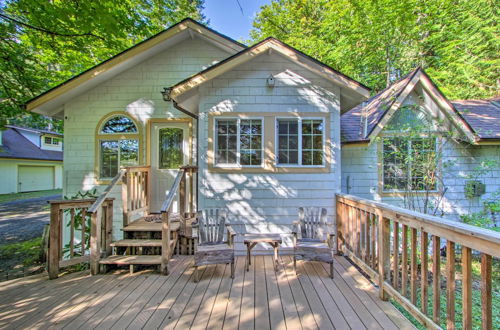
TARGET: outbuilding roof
(15,145)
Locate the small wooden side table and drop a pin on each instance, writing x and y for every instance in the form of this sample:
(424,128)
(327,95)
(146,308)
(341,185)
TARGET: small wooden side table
(252,239)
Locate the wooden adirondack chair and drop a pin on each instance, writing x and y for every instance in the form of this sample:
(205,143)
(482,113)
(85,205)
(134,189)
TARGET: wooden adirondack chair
(211,247)
(313,237)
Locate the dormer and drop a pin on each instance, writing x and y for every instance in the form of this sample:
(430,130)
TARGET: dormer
(51,142)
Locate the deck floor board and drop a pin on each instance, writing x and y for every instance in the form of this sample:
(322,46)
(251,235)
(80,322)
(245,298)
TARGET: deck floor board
(260,298)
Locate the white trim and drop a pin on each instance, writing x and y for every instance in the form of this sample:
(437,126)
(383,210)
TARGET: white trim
(238,142)
(299,133)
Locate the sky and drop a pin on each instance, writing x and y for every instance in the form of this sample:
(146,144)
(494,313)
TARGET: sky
(228,18)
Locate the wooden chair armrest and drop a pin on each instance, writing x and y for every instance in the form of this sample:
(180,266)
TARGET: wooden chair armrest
(296,227)
(230,230)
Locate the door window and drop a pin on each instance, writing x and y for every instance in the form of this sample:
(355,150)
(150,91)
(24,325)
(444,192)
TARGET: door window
(170,143)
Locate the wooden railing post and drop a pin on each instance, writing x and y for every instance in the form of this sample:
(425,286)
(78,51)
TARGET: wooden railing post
(338,225)
(182,195)
(383,252)
(487,321)
(95,241)
(165,242)
(108,227)
(54,254)
(125,195)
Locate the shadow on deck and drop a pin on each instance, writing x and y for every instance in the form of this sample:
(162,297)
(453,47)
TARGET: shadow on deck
(260,299)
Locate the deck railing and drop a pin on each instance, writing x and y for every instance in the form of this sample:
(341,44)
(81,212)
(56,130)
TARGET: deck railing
(186,198)
(73,214)
(136,192)
(394,246)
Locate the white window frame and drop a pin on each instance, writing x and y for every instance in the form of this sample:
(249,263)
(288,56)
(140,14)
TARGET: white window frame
(438,167)
(276,142)
(238,143)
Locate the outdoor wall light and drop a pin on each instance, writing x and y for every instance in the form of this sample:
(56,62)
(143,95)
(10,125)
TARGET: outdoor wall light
(166,94)
(270,81)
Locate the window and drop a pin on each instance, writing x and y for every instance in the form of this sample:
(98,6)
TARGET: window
(300,141)
(55,141)
(118,143)
(47,140)
(238,142)
(409,164)
(171,154)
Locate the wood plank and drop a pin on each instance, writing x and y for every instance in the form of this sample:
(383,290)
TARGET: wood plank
(436,278)
(306,315)
(383,311)
(349,314)
(320,314)
(395,255)
(404,261)
(450,285)
(221,301)
(186,319)
(466,287)
(131,260)
(205,310)
(261,310)
(292,318)
(424,266)
(234,306)
(164,306)
(276,316)
(137,242)
(413,267)
(247,312)
(487,321)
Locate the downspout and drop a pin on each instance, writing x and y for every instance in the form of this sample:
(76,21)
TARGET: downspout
(196,132)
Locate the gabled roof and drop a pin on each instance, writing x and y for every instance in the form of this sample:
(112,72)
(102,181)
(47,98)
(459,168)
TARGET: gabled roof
(35,130)
(269,44)
(15,145)
(482,115)
(365,121)
(50,102)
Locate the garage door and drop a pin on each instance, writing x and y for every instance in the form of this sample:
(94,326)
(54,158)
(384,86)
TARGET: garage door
(32,178)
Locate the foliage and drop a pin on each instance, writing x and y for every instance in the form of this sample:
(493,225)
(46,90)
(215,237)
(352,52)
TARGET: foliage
(22,254)
(46,42)
(80,217)
(376,42)
(486,217)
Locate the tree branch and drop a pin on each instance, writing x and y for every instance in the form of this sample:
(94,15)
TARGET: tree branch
(18,22)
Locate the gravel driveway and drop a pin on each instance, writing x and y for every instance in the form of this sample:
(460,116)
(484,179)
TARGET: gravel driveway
(24,219)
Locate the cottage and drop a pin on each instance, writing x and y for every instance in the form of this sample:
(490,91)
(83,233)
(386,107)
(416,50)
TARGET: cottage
(30,160)
(382,136)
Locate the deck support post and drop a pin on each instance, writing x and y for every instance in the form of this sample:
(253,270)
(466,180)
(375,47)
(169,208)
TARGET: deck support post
(165,242)
(383,253)
(95,241)
(53,256)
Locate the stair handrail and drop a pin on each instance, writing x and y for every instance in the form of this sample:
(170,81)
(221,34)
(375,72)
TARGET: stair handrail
(106,192)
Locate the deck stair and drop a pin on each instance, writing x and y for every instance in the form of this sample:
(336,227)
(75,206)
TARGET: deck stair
(141,244)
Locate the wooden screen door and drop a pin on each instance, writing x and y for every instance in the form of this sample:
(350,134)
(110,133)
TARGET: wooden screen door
(169,150)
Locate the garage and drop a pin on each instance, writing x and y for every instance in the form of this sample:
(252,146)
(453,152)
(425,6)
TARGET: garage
(33,178)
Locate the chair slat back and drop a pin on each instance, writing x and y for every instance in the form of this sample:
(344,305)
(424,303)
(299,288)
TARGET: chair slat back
(313,222)
(211,226)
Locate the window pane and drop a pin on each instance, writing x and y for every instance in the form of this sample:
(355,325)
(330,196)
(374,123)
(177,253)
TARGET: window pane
(226,138)
(119,124)
(312,142)
(395,163)
(170,146)
(129,152)
(251,142)
(288,141)
(109,159)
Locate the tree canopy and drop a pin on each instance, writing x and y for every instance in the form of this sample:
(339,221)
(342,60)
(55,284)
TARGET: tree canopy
(379,41)
(46,42)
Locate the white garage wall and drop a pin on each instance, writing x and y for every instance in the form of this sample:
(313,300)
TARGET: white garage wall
(9,173)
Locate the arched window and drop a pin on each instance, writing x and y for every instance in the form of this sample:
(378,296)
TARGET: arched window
(118,144)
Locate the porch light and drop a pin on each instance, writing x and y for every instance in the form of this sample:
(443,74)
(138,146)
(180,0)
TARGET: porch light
(166,94)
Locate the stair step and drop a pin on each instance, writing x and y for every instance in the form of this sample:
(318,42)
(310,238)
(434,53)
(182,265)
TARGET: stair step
(143,225)
(131,260)
(137,243)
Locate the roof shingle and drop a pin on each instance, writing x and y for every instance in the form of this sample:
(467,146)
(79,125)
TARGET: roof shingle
(15,145)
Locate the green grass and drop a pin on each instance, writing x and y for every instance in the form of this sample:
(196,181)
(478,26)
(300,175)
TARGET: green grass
(13,197)
(16,256)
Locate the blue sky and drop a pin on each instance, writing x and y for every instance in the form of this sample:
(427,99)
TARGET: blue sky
(227,18)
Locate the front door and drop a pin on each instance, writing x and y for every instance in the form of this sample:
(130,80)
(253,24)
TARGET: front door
(169,151)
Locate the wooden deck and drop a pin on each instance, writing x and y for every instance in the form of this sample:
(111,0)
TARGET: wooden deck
(258,299)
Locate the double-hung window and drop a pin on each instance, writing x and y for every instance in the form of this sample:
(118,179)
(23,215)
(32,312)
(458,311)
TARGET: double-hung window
(238,142)
(409,164)
(300,141)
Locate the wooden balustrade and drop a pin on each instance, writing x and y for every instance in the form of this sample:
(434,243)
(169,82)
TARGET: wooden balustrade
(136,192)
(75,215)
(394,246)
(178,190)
